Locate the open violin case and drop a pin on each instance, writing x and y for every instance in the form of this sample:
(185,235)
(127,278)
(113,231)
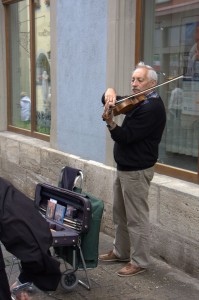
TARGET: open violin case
(76,239)
(69,232)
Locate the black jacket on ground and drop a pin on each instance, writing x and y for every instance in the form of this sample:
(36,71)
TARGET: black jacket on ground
(26,234)
(138,138)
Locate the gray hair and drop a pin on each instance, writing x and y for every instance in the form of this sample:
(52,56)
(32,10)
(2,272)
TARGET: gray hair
(152,75)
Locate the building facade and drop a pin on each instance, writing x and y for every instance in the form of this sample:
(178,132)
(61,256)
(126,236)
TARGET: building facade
(57,58)
(62,58)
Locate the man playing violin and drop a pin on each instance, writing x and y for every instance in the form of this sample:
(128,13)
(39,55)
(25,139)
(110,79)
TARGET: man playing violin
(135,152)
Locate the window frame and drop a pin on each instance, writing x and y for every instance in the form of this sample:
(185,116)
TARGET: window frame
(32,132)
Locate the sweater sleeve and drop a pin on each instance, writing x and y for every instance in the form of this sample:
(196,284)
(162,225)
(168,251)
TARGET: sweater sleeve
(103,99)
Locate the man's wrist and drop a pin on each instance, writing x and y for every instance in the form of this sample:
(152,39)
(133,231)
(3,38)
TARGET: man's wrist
(111,125)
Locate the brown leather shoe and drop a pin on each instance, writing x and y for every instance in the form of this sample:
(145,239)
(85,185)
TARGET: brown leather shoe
(111,257)
(130,270)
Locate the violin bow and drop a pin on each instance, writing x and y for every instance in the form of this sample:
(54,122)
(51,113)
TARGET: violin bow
(149,89)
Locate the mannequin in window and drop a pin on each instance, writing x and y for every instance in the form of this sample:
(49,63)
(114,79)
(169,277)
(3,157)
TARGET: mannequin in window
(25,105)
(175,103)
(45,87)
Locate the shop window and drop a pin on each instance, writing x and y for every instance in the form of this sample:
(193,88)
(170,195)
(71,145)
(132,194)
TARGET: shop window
(42,62)
(29,78)
(171,46)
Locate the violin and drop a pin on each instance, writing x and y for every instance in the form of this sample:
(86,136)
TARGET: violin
(126,104)
(123,106)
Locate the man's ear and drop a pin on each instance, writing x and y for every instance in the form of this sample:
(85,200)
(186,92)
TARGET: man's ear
(153,83)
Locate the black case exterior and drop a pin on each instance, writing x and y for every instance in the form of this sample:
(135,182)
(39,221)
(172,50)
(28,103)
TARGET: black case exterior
(68,233)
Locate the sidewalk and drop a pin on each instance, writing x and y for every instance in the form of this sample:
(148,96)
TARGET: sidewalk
(160,282)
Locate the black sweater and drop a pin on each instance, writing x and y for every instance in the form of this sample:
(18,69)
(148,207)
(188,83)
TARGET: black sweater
(137,139)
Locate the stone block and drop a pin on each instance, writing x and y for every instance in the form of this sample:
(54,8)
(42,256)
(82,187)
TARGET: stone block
(12,151)
(14,173)
(30,157)
(99,180)
(53,161)
(175,250)
(179,213)
(3,152)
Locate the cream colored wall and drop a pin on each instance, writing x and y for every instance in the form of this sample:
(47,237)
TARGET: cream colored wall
(120,54)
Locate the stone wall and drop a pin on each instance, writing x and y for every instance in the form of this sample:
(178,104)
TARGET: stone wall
(174,204)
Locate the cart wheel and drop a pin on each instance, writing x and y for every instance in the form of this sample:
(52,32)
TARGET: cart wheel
(68,280)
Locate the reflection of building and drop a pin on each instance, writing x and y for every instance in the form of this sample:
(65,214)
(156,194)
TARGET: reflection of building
(43,48)
(175,35)
(183,124)
(193,58)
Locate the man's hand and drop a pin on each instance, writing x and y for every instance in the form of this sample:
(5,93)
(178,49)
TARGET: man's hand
(110,97)
(107,114)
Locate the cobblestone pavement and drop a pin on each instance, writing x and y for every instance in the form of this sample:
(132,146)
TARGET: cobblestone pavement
(160,282)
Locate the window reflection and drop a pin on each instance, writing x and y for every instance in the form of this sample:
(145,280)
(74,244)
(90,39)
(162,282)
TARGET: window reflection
(43,74)
(20,65)
(175,51)
(193,58)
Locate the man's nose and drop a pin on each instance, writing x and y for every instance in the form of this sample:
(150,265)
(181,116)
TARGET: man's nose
(134,83)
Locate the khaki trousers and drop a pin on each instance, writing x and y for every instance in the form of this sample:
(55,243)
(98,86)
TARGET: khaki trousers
(131,215)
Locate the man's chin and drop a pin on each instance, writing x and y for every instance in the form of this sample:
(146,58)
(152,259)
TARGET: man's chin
(136,91)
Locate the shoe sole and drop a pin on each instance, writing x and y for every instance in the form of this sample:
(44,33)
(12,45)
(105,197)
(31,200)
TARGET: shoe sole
(114,260)
(128,275)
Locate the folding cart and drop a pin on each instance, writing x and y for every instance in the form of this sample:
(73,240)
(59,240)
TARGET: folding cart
(75,236)
(69,233)
(71,178)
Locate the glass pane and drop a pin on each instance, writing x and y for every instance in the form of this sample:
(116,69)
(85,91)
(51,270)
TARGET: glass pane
(19,39)
(174,50)
(43,76)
